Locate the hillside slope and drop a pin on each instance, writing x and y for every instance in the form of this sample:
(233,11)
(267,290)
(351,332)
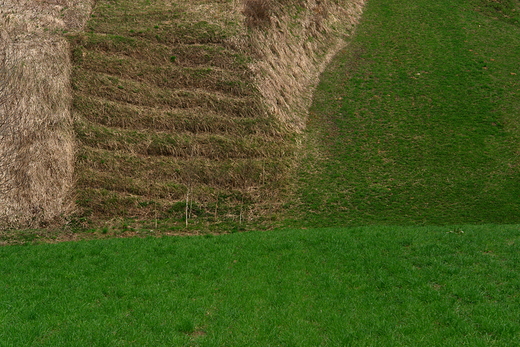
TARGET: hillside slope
(166,112)
(417,122)
(172,108)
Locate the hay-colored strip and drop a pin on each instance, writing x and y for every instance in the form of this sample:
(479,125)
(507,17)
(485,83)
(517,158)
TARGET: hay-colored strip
(138,172)
(39,172)
(184,145)
(179,120)
(154,53)
(144,94)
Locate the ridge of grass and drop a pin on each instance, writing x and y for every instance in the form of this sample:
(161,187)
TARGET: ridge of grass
(416,122)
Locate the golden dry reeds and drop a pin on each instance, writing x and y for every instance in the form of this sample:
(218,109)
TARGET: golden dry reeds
(37,144)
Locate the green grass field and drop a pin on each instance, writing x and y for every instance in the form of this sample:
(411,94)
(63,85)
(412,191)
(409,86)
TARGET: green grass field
(412,148)
(367,286)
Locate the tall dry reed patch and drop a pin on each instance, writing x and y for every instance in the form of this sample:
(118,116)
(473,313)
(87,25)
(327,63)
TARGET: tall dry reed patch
(36,142)
(9,77)
(294,43)
(257,13)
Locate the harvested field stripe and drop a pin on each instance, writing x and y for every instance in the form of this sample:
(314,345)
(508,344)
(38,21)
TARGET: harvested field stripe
(144,94)
(195,120)
(168,76)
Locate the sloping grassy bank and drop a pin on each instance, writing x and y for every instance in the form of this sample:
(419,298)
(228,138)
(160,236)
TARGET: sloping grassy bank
(377,286)
(168,121)
(417,120)
(186,115)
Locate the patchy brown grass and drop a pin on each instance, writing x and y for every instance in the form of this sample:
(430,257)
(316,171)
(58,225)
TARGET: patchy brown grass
(166,111)
(293,49)
(179,109)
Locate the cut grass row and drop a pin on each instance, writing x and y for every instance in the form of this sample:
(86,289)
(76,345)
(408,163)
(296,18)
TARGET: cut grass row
(417,121)
(166,113)
(366,286)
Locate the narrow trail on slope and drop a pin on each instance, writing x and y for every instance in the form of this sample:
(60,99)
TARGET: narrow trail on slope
(414,122)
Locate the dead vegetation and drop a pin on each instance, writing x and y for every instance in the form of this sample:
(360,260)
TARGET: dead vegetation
(181,111)
(9,77)
(37,144)
(294,43)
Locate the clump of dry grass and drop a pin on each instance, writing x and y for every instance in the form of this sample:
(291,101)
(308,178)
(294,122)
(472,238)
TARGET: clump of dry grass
(37,146)
(257,13)
(294,47)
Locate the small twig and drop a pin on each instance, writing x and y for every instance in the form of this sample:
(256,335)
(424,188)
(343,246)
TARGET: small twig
(187,204)
(191,207)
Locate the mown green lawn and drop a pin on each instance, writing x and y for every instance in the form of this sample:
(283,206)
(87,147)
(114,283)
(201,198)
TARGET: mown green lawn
(417,121)
(366,286)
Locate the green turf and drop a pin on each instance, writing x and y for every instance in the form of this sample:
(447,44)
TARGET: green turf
(366,286)
(416,122)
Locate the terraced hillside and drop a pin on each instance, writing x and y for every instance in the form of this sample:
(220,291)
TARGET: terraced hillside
(190,112)
(166,113)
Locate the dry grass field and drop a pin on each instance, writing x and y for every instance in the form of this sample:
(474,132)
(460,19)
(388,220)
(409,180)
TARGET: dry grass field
(36,138)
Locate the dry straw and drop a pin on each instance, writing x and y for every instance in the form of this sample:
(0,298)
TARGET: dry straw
(36,139)
(294,40)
